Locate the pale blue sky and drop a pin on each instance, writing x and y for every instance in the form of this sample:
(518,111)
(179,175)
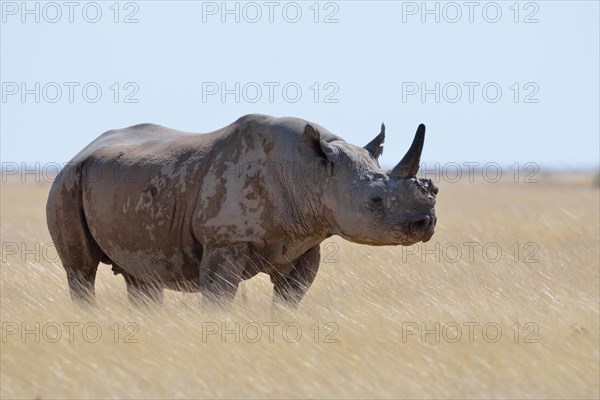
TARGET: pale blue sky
(372,57)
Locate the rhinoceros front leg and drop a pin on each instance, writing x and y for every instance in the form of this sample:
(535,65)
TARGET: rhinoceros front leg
(221,272)
(291,286)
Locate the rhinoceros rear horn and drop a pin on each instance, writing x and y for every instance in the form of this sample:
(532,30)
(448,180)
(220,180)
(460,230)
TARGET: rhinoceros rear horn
(375,146)
(409,165)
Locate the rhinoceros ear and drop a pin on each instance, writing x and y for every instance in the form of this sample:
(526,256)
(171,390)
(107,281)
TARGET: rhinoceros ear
(311,139)
(375,146)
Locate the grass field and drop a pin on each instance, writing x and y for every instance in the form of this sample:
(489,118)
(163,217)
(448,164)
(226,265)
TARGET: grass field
(501,303)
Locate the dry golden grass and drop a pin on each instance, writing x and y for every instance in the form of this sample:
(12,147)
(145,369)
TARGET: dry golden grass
(370,295)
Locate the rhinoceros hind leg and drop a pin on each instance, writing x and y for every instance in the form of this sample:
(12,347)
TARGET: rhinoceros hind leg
(80,261)
(78,251)
(290,288)
(81,286)
(141,292)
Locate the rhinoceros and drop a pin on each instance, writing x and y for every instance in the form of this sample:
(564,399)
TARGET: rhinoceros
(202,212)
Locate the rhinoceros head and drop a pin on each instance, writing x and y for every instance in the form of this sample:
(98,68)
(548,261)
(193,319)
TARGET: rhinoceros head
(365,204)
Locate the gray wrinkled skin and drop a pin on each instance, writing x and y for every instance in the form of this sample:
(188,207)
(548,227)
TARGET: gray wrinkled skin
(202,212)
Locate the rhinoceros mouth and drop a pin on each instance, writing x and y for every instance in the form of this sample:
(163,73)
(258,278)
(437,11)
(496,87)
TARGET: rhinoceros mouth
(427,235)
(399,239)
(419,230)
(413,239)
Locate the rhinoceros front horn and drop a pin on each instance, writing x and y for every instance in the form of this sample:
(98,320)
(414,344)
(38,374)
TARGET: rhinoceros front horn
(409,165)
